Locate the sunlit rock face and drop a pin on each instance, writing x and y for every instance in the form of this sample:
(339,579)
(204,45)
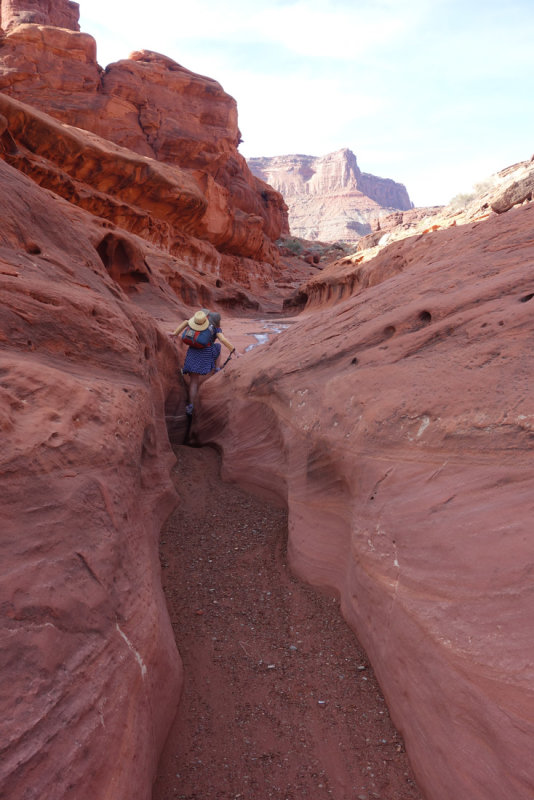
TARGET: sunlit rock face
(329,198)
(61,13)
(90,673)
(510,187)
(154,107)
(397,424)
(182,215)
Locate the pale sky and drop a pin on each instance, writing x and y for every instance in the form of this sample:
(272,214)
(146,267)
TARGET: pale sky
(435,94)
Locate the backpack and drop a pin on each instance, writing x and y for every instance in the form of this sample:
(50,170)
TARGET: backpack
(199,339)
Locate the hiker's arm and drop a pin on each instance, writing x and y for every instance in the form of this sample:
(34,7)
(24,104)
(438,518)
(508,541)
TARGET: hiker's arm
(227,344)
(181,327)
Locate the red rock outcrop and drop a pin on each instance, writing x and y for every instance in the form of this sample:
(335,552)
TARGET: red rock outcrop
(90,672)
(183,212)
(61,13)
(329,198)
(152,106)
(397,424)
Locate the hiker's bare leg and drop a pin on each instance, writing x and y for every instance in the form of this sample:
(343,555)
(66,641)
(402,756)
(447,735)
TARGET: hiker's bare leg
(193,387)
(195,382)
(187,382)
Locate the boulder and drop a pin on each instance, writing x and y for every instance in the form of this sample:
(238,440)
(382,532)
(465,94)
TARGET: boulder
(519,191)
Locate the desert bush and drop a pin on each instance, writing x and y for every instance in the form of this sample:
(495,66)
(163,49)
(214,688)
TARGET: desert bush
(484,186)
(294,245)
(461,200)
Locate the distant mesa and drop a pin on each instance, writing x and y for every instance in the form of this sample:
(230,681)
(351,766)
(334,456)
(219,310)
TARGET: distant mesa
(329,198)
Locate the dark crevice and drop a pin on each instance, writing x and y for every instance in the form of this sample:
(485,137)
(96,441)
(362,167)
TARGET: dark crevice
(124,263)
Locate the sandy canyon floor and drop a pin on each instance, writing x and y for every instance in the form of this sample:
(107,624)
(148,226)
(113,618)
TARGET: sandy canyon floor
(279,699)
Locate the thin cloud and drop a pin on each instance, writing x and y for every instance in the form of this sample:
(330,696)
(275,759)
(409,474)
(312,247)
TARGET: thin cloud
(307,28)
(433,94)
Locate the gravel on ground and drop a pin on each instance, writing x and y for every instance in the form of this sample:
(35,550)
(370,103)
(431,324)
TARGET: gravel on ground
(279,699)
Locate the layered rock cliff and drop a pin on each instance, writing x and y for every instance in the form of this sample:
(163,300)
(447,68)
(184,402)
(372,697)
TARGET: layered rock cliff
(329,198)
(154,108)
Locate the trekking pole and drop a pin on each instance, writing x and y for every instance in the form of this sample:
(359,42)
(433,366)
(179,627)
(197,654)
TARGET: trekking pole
(228,359)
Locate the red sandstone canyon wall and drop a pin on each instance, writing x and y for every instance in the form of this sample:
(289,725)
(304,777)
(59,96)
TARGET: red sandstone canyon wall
(396,421)
(394,417)
(330,198)
(90,672)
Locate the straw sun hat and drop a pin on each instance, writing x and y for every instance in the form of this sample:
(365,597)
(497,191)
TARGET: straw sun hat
(199,322)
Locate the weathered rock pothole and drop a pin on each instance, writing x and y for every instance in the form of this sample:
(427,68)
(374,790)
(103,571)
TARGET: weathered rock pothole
(279,700)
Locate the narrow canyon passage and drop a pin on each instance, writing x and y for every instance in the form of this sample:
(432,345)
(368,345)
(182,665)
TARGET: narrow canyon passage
(279,699)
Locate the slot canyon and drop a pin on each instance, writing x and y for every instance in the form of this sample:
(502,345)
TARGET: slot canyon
(321,584)
(279,700)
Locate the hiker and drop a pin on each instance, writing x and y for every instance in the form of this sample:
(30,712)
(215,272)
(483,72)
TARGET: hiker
(215,320)
(201,337)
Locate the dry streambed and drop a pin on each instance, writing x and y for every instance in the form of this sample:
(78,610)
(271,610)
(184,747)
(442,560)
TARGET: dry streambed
(279,700)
